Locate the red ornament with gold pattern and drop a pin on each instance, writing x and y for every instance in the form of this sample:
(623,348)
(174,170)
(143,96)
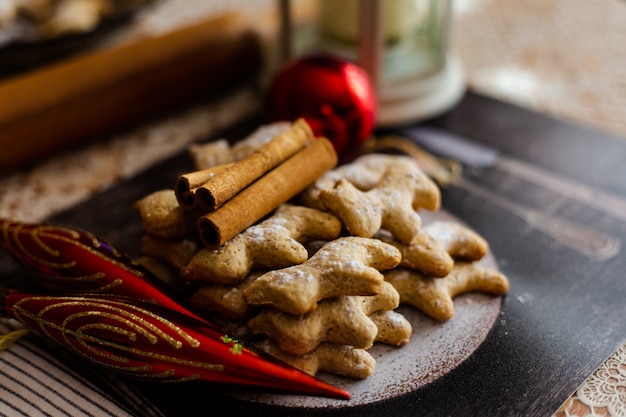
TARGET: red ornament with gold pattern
(149,342)
(117,316)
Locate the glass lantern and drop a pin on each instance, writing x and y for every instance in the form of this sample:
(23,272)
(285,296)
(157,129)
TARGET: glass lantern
(402,44)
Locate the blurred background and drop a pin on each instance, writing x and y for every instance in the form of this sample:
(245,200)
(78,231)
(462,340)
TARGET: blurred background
(563,58)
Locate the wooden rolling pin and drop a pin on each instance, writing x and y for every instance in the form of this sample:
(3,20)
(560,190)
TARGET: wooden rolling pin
(97,93)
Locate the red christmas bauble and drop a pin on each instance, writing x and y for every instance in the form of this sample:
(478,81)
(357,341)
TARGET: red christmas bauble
(334,96)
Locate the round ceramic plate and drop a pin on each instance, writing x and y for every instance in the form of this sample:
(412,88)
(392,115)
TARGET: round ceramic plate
(434,349)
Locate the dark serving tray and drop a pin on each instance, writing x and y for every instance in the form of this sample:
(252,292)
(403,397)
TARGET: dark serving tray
(562,318)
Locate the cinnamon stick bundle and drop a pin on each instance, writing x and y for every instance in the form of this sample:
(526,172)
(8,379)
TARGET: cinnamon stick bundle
(188,183)
(220,188)
(267,193)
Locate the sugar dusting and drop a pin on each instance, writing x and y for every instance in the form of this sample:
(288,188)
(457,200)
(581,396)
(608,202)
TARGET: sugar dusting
(434,350)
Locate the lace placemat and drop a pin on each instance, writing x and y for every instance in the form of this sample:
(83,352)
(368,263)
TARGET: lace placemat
(603,393)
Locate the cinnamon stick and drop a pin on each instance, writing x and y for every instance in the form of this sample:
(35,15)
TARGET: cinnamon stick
(188,183)
(267,193)
(220,188)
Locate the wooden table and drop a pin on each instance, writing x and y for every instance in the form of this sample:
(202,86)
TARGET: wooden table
(562,58)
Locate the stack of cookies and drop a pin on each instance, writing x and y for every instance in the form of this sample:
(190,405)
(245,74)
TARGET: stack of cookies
(318,281)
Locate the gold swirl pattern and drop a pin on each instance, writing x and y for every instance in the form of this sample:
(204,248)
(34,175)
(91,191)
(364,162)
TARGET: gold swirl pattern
(75,261)
(59,252)
(38,236)
(135,328)
(120,336)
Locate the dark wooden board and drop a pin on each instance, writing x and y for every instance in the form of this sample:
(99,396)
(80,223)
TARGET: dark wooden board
(562,318)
